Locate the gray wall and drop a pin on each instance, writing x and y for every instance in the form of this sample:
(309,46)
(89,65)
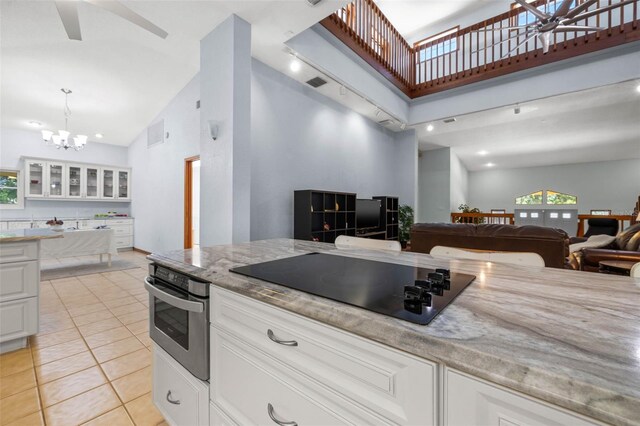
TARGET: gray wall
(303,140)
(158,173)
(611,185)
(15,143)
(459,192)
(434,185)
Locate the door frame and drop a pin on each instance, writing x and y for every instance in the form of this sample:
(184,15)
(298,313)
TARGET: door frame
(188,200)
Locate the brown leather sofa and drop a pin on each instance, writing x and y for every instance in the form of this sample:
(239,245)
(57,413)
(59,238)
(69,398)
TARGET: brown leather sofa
(626,246)
(551,244)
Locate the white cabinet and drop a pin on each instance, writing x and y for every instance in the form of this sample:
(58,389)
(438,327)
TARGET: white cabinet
(19,288)
(389,384)
(181,398)
(48,179)
(469,400)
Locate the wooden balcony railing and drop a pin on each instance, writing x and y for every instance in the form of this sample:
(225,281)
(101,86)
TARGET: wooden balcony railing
(505,218)
(472,54)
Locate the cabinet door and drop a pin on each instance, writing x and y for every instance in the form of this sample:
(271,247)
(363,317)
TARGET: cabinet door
(123,184)
(473,401)
(56,180)
(91,182)
(18,318)
(35,185)
(108,181)
(75,181)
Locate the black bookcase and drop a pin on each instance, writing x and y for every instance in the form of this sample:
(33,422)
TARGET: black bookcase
(389,216)
(323,215)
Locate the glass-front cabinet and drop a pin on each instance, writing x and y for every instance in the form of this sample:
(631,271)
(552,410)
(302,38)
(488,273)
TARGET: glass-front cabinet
(108,180)
(55,172)
(35,177)
(123,184)
(75,181)
(92,182)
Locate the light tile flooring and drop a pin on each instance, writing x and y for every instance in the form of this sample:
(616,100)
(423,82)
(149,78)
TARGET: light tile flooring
(91,361)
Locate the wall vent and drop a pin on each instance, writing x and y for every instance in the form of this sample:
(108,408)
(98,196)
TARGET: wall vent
(198,104)
(313,2)
(155,134)
(449,120)
(316,82)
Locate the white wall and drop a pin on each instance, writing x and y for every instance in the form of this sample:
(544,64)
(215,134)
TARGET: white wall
(459,181)
(17,143)
(158,174)
(303,140)
(434,186)
(611,185)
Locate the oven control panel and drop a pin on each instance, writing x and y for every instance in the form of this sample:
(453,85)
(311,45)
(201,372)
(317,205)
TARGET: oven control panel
(179,280)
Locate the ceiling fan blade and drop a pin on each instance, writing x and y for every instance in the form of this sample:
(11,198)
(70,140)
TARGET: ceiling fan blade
(545,40)
(572,28)
(518,46)
(595,12)
(563,9)
(579,9)
(68,11)
(538,13)
(123,11)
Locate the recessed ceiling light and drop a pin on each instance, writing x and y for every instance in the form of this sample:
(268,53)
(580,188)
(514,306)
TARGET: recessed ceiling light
(295,65)
(34,123)
(483,152)
(99,135)
(430,128)
(490,164)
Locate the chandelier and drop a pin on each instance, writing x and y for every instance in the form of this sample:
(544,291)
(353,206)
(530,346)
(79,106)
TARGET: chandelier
(61,140)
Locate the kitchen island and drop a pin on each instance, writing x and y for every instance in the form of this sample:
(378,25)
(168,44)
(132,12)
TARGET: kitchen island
(20,284)
(564,340)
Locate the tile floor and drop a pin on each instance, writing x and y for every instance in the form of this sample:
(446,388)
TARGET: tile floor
(91,361)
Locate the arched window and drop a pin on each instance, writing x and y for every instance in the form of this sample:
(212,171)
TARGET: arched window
(558,198)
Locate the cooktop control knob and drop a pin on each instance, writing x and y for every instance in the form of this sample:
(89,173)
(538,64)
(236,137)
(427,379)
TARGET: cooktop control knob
(445,272)
(436,278)
(423,283)
(417,294)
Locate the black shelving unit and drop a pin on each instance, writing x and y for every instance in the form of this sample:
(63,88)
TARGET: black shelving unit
(323,215)
(389,216)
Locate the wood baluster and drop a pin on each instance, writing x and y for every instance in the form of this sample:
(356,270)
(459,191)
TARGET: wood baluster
(609,23)
(484,47)
(621,22)
(635,15)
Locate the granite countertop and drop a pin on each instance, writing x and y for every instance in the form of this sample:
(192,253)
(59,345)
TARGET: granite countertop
(569,338)
(14,235)
(35,219)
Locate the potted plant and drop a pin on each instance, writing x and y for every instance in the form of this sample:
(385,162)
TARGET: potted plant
(464,208)
(55,224)
(405,219)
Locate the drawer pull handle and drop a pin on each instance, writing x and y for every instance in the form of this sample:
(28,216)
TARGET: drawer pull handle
(281,342)
(275,419)
(173,401)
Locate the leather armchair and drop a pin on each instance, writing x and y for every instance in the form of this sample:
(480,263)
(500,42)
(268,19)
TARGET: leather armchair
(625,247)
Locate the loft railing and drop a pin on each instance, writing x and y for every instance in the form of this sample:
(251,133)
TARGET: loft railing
(472,54)
(504,218)
(364,28)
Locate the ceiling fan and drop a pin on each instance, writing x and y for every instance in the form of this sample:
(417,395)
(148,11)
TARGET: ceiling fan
(68,11)
(562,20)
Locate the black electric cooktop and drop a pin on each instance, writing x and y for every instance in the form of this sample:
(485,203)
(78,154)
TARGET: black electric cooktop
(406,292)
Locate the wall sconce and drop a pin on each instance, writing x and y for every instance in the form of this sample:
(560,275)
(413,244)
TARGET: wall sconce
(213,129)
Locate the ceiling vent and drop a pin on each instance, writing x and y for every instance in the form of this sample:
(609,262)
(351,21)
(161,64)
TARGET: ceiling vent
(313,2)
(449,120)
(316,82)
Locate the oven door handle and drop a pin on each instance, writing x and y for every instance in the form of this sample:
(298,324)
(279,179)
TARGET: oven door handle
(187,305)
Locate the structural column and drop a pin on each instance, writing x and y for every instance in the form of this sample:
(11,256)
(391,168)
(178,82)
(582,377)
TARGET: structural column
(225,108)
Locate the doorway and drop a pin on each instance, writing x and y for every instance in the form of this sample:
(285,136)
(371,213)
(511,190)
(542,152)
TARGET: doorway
(192,202)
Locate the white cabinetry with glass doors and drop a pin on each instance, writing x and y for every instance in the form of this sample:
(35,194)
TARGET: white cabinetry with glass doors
(44,179)
(48,179)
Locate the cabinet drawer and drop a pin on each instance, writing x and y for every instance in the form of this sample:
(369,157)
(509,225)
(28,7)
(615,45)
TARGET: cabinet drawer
(245,382)
(218,418)
(469,400)
(122,230)
(122,242)
(18,251)
(173,382)
(19,280)
(111,222)
(18,318)
(395,385)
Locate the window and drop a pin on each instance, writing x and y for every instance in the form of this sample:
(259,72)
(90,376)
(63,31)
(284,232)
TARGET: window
(557,198)
(533,198)
(437,49)
(10,190)
(526,18)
